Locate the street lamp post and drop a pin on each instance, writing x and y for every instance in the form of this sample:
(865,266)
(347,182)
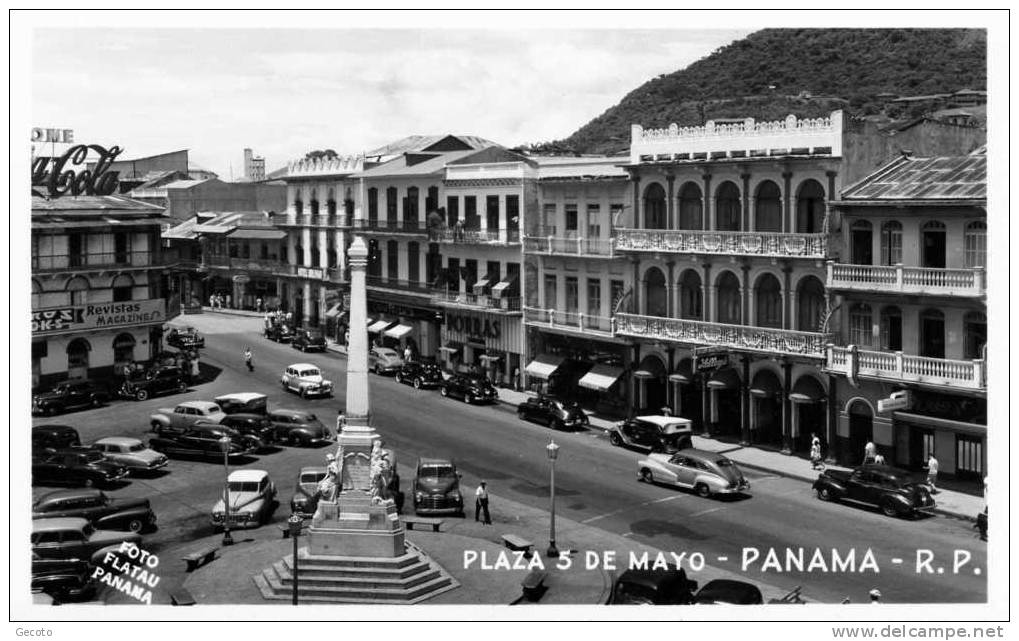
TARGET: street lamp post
(553,453)
(295,523)
(224,445)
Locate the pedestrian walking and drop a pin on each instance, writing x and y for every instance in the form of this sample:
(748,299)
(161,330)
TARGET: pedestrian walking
(481,504)
(875,596)
(516,379)
(869,452)
(815,455)
(407,353)
(932,472)
(879,459)
(247,359)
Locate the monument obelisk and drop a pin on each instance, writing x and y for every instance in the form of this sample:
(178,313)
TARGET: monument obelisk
(359,519)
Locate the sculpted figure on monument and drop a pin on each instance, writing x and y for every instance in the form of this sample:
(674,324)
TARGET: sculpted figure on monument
(328,485)
(381,473)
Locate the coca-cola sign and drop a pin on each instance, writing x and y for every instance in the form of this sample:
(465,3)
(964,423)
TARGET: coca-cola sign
(66,174)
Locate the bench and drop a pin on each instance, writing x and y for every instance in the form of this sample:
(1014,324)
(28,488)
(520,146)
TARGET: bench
(534,584)
(411,521)
(201,557)
(181,596)
(518,544)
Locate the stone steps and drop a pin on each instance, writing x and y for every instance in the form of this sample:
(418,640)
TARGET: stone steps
(359,577)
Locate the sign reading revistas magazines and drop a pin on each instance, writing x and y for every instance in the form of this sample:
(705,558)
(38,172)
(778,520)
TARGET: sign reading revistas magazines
(97,316)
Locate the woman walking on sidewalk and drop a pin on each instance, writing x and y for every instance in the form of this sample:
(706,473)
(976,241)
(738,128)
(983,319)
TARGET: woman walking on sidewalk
(247,359)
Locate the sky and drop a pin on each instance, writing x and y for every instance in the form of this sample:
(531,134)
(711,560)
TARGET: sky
(283,92)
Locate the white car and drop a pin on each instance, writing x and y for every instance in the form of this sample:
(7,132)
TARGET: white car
(704,472)
(176,420)
(307,380)
(252,499)
(131,453)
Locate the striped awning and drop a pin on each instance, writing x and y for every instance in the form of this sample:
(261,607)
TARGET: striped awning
(601,377)
(378,326)
(398,331)
(544,366)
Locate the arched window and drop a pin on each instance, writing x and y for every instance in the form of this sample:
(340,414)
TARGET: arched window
(891,328)
(123,350)
(810,305)
(768,208)
(861,325)
(974,327)
(729,306)
(77,358)
(77,289)
(932,333)
(331,202)
(768,300)
(861,242)
(728,210)
(976,244)
(654,207)
(810,208)
(655,296)
(891,243)
(691,304)
(123,288)
(933,244)
(314,201)
(691,207)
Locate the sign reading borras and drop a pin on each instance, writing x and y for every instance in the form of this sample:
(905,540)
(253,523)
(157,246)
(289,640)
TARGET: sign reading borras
(98,316)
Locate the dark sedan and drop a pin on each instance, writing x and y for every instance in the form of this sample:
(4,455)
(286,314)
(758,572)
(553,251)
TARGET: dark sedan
(653,587)
(69,395)
(888,488)
(309,340)
(729,591)
(101,511)
(75,466)
(471,388)
(203,441)
(554,412)
(256,426)
(419,374)
(298,428)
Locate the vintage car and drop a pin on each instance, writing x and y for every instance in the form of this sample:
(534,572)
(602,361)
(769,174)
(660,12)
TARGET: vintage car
(729,592)
(203,441)
(653,587)
(890,489)
(299,428)
(470,387)
(653,433)
(307,380)
(163,379)
(436,488)
(554,412)
(246,402)
(175,420)
(419,374)
(384,360)
(134,515)
(279,332)
(704,472)
(131,453)
(49,438)
(255,426)
(68,395)
(252,499)
(305,498)
(62,579)
(309,340)
(75,466)
(184,338)
(74,538)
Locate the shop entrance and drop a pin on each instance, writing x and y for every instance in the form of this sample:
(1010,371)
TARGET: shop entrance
(766,395)
(77,358)
(861,430)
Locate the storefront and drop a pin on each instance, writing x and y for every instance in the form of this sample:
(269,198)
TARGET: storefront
(593,373)
(483,342)
(402,326)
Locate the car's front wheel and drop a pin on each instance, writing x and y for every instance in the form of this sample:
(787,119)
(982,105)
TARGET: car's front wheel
(825,494)
(443,391)
(135,525)
(141,395)
(703,490)
(615,440)
(468,398)
(647,476)
(399,377)
(89,483)
(182,387)
(417,383)
(888,509)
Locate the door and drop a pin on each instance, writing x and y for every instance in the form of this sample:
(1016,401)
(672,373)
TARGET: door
(934,249)
(932,334)
(863,247)
(685,469)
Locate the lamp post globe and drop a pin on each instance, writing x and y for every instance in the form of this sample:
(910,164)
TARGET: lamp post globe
(553,453)
(224,446)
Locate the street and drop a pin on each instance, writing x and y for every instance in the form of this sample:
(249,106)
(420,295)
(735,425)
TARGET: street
(596,483)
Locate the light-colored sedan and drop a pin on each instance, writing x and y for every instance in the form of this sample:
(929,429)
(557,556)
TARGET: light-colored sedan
(252,499)
(704,472)
(306,379)
(174,420)
(131,453)
(384,360)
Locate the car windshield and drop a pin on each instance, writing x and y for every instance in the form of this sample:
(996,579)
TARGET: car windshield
(61,389)
(436,471)
(243,486)
(137,447)
(312,477)
(315,334)
(310,372)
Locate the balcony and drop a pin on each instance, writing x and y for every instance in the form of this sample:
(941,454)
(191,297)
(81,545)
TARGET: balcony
(897,279)
(391,226)
(562,246)
(252,265)
(730,243)
(569,322)
(396,285)
(115,261)
(478,236)
(742,338)
(906,368)
(505,304)
(318,221)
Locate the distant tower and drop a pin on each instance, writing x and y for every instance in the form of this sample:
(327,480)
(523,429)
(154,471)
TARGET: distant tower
(254,166)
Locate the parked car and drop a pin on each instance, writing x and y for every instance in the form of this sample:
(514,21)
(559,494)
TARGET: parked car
(255,426)
(554,412)
(299,428)
(436,487)
(470,387)
(704,472)
(252,498)
(892,490)
(279,332)
(307,380)
(68,395)
(184,338)
(175,420)
(163,379)
(729,591)
(101,511)
(384,360)
(246,402)
(203,441)
(74,538)
(309,340)
(131,453)
(49,438)
(305,499)
(75,466)
(981,524)
(62,579)
(653,587)
(419,374)
(653,433)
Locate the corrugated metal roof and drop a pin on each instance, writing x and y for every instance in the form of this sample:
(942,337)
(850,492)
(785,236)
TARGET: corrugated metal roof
(93,203)
(941,178)
(419,143)
(183,231)
(400,167)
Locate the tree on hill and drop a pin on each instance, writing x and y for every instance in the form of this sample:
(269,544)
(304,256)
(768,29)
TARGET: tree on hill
(321,153)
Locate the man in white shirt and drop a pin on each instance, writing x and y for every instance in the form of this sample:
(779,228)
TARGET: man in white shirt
(481,504)
(932,472)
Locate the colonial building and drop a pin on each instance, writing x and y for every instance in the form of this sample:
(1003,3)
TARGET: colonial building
(910,293)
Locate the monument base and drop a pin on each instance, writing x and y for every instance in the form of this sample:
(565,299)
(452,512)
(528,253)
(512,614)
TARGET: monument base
(355,526)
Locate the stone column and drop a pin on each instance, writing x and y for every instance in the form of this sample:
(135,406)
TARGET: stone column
(707,207)
(323,248)
(787,408)
(788,224)
(745,403)
(748,222)
(670,179)
(638,219)
(306,245)
(358,402)
(306,302)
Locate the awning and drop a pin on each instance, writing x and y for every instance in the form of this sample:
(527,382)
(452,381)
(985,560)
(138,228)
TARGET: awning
(369,322)
(601,377)
(489,359)
(334,311)
(684,373)
(765,385)
(398,331)
(378,326)
(650,367)
(807,390)
(449,349)
(484,282)
(502,286)
(544,366)
(258,234)
(724,379)
(975,429)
